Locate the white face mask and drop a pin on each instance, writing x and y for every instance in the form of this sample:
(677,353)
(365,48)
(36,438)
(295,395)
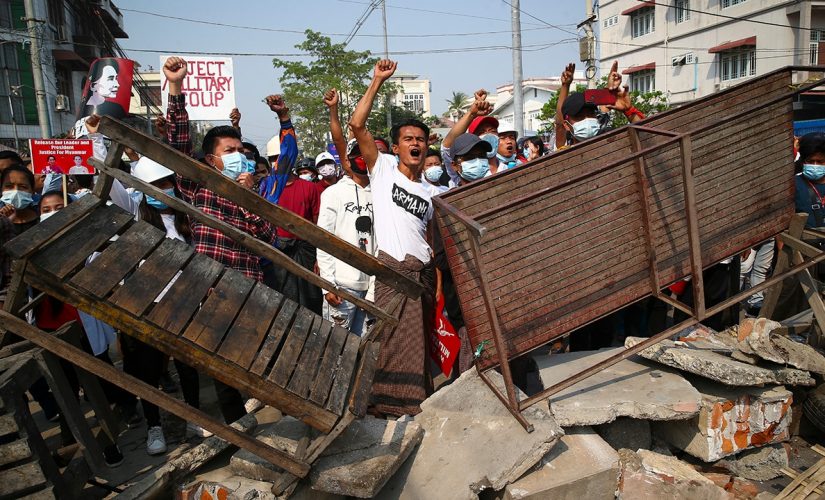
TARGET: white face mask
(46,215)
(434,173)
(586,129)
(306,177)
(327,170)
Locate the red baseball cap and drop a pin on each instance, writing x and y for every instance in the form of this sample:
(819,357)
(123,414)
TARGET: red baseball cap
(481,120)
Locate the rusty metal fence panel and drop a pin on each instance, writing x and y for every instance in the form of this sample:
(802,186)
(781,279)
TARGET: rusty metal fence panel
(589,230)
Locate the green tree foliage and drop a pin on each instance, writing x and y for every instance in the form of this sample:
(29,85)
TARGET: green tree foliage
(458,104)
(377,122)
(648,103)
(329,65)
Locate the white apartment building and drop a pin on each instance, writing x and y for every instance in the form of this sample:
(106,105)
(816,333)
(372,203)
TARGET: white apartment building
(687,52)
(535,93)
(414,93)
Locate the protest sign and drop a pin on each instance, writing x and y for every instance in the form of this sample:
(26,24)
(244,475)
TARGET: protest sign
(209,87)
(108,88)
(444,342)
(61,156)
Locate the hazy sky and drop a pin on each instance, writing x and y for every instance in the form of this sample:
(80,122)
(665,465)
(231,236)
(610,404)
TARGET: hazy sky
(434,26)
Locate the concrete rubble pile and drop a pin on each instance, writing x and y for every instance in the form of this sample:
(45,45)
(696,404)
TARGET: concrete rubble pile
(708,415)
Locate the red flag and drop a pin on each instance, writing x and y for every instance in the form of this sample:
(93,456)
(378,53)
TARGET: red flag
(445,344)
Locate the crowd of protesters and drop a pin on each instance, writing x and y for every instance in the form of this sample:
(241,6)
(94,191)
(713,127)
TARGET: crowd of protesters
(377,197)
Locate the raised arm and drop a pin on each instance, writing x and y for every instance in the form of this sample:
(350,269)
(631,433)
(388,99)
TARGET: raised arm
(331,99)
(564,90)
(235,119)
(624,103)
(177,118)
(358,123)
(464,122)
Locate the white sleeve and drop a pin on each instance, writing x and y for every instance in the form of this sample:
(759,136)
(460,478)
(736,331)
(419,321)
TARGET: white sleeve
(120,197)
(328,213)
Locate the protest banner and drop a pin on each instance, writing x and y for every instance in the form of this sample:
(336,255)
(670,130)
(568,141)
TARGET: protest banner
(108,88)
(61,156)
(444,342)
(209,87)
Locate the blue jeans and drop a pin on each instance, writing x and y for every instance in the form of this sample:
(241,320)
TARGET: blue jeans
(347,314)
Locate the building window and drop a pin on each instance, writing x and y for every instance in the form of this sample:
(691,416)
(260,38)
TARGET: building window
(15,81)
(682,11)
(414,102)
(610,21)
(728,3)
(12,14)
(737,63)
(643,22)
(643,81)
(817,38)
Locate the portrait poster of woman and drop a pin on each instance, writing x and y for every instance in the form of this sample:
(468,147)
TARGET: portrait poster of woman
(108,88)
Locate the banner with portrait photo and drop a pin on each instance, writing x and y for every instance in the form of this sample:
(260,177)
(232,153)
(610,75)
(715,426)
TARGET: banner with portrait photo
(209,87)
(108,88)
(61,156)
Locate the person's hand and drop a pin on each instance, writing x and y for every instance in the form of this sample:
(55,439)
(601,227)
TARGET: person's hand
(333,299)
(92,123)
(276,103)
(384,69)
(480,108)
(160,125)
(533,150)
(6,210)
(132,154)
(246,180)
(235,117)
(433,139)
(623,102)
(480,95)
(331,98)
(614,78)
(567,75)
(175,69)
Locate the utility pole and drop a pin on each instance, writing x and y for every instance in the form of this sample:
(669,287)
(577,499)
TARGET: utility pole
(37,70)
(13,89)
(387,104)
(587,45)
(518,95)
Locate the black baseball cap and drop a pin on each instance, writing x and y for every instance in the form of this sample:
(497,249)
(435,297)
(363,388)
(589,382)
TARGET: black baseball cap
(575,104)
(465,142)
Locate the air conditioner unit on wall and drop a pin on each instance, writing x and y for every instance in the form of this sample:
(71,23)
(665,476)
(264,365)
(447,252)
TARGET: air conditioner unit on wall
(678,61)
(61,103)
(62,34)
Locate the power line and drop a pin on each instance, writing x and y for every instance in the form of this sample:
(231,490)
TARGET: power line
(733,18)
(541,20)
(458,14)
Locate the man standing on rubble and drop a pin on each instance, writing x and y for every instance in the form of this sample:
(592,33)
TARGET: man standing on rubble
(403,210)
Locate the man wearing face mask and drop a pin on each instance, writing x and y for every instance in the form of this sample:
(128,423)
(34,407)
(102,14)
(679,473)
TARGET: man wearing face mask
(327,171)
(18,215)
(433,171)
(470,156)
(476,121)
(507,155)
(810,181)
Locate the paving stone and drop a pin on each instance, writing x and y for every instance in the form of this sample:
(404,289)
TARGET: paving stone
(471,442)
(364,457)
(761,464)
(630,388)
(624,432)
(648,475)
(581,466)
(715,366)
(731,420)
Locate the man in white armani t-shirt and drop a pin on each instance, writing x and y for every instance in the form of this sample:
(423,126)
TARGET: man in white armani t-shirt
(402,209)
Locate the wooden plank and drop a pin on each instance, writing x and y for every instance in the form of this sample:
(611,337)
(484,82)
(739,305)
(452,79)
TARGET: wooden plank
(251,243)
(7,425)
(243,340)
(294,223)
(15,452)
(302,379)
(360,398)
(45,231)
(294,343)
(21,480)
(148,281)
(343,375)
(326,371)
(121,257)
(69,252)
(103,186)
(281,325)
(177,307)
(212,322)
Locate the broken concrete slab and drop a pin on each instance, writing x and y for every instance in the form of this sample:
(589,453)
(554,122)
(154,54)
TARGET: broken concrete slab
(365,456)
(755,338)
(731,420)
(581,466)
(761,464)
(629,388)
(283,435)
(471,442)
(624,432)
(715,366)
(649,475)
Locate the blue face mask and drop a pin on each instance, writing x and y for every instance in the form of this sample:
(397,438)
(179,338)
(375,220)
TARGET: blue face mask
(525,152)
(813,172)
(249,164)
(586,129)
(157,203)
(434,173)
(492,139)
(17,199)
(474,169)
(234,165)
